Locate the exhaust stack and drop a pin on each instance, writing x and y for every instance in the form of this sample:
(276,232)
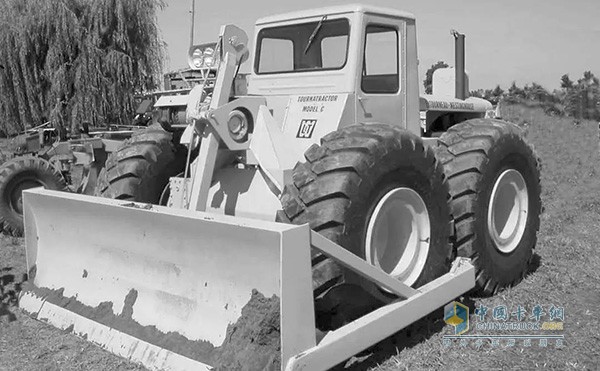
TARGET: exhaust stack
(193,16)
(459,64)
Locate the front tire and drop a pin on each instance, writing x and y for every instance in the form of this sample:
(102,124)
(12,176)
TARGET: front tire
(17,175)
(140,170)
(379,193)
(494,179)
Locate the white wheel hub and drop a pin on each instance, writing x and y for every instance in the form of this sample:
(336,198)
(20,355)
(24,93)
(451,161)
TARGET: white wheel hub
(507,211)
(397,239)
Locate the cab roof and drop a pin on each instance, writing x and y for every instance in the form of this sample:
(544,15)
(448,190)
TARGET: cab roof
(334,10)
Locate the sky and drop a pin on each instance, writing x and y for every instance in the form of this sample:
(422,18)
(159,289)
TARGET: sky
(506,40)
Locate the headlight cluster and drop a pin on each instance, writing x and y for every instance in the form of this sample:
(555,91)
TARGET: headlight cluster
(203,56)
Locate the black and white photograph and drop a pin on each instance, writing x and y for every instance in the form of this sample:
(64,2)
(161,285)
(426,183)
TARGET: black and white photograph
(299,186)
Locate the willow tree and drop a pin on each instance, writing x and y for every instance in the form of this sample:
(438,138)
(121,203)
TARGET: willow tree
(69,61)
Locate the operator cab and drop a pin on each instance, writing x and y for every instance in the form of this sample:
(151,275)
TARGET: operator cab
(367,53)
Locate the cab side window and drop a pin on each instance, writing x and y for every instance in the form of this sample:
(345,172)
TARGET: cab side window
(380,73)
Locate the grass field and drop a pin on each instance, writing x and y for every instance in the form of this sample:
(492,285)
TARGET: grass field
(565,273)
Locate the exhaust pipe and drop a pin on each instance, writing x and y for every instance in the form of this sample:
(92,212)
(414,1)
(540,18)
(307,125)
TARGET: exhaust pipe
(193,16)
(459,65)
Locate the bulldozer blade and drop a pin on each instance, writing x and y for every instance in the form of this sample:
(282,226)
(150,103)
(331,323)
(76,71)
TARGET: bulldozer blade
(169,288)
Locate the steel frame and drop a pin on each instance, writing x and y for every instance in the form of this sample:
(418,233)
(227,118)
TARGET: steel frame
(375,326)
(290,261)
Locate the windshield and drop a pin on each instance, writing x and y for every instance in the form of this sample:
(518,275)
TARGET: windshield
(313,46)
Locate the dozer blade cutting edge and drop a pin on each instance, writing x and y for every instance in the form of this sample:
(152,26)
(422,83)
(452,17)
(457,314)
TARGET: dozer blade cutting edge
(176,289)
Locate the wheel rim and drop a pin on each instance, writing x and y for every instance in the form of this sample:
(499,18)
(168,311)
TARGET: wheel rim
(16,195)
(507,211)
(397,239)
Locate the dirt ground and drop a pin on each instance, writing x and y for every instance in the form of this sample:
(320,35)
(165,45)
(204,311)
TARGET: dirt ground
(27,344)
(566,273)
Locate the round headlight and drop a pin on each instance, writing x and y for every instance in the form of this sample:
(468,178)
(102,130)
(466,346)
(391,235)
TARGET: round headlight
(197,58)
(237,125)
(208,57)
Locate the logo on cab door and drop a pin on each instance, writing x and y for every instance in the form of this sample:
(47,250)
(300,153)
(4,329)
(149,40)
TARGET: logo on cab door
(306,128)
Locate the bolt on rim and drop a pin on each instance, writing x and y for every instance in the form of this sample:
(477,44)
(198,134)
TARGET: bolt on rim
(397,239)
(507,211)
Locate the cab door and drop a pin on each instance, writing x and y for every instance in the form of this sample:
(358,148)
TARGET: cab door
(381,90)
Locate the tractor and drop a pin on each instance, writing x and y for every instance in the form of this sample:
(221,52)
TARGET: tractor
(328,192)
(53,159)
(58,159)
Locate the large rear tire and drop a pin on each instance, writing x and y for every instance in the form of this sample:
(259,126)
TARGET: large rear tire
(17,175)
(494,179)
(141,168)
(378,192)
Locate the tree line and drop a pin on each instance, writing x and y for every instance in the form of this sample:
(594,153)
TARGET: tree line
(578,99)
(70,61)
